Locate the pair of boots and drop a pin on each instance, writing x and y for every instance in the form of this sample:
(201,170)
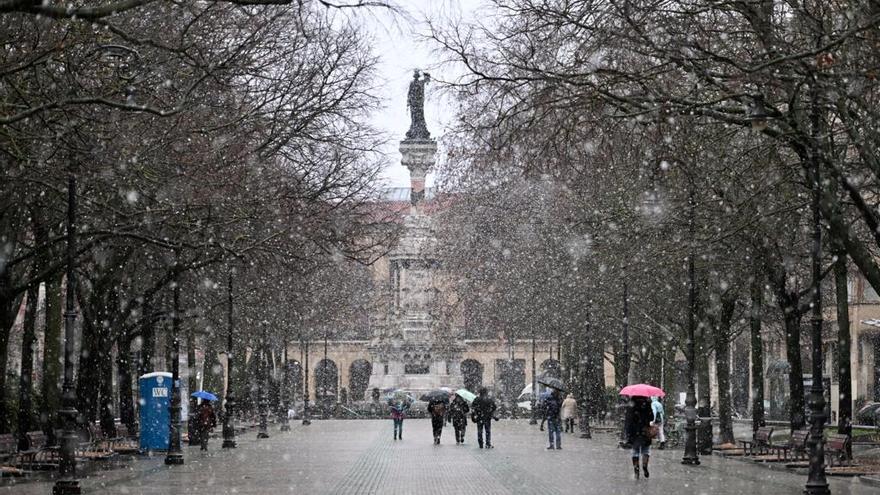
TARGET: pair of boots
(644,466)
(398,436)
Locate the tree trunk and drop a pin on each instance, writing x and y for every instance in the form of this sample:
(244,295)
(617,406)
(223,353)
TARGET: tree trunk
(722,369)
(52,362)
(756,294)
(105,392)
(844,377)
(704,396)
(796,409)
(89,373)
(123,366)
(9,306)
(25,379)
(148,341)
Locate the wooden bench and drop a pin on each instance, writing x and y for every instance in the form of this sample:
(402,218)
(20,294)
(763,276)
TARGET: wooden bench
(797,446)
(39,454)
(761,442)
(837,445)
(125,443)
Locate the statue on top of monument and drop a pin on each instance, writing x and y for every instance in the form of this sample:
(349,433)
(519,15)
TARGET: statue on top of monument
(415,101)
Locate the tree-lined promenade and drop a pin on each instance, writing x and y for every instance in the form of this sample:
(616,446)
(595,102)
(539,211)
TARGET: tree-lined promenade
(670,188)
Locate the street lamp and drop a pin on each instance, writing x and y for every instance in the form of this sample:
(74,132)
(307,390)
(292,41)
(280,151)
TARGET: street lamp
(262,431)
(691,457)
(534,419)
(816,482)
(306,419)
(67,484)
(285,401)
(175,454)
(228,420)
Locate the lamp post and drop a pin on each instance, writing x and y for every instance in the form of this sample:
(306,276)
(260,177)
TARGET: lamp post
(817,484)
(262,430)
(534,419)
(691,457)
(285,396)
(175,455)
(306,419)
(67,484)
(228,419)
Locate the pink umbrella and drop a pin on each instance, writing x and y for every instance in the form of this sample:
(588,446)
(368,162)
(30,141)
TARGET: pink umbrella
(642,390)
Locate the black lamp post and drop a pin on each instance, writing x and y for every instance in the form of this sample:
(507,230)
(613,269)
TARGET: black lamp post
(175,454)
(306,415)
(263,429)
(691,457)
(534,419)
(285,396)
(817,484)
(228,419)
(67,484)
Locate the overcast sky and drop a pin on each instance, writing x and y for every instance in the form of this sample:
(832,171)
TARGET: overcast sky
(400,50)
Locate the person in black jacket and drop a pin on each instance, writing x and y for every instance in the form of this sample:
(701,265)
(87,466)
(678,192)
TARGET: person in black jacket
(458,412)
(437,409)
(552,410)
(639,416)
(483,412)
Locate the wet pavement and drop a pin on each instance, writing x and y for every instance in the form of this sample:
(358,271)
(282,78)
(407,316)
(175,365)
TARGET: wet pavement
(352,457)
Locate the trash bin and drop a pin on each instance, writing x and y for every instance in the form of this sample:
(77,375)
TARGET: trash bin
(155,415)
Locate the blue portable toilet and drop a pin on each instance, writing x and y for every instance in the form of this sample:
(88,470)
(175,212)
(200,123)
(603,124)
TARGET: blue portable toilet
(155,400)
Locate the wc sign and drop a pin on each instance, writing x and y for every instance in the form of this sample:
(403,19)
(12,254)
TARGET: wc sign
(160,392)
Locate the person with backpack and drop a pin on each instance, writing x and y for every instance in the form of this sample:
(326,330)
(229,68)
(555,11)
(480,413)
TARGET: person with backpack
(659,420)
(437,410)
(482,413)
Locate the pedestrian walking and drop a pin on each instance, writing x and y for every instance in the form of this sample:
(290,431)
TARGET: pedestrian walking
(638,428)
(437,410)
(569,411)
(399,407)
(552,412)
(482,413)
(206,420)
(458,413)
(659,420)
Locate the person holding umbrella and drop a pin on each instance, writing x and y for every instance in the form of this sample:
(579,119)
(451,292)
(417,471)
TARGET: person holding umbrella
(458,413)
(438,401)
(552,411)
(399,403)
(638,427)
(482,413)
(206,419)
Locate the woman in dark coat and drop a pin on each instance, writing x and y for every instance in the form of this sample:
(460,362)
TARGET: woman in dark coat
(639,416)
(458,413)
(437,410)
(206,420)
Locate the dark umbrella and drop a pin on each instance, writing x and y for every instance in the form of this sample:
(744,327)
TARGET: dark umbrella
(551,382)
(435,395)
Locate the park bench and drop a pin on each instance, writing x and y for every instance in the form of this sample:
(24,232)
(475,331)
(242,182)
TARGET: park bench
(96,447)
(9,455)
(796,446)
(125,442)
(760,443)
(837,446)
(39,454)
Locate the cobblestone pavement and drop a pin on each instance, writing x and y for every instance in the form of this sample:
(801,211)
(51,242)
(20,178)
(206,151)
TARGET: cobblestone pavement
(353,457)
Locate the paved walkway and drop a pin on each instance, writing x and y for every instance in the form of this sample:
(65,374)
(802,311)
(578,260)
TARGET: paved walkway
(352,457)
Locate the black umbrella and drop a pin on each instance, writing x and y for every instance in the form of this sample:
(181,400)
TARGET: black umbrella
(435,395)
(549,381)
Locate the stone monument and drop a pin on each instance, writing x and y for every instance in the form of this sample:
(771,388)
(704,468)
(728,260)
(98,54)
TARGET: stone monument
(408,354)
